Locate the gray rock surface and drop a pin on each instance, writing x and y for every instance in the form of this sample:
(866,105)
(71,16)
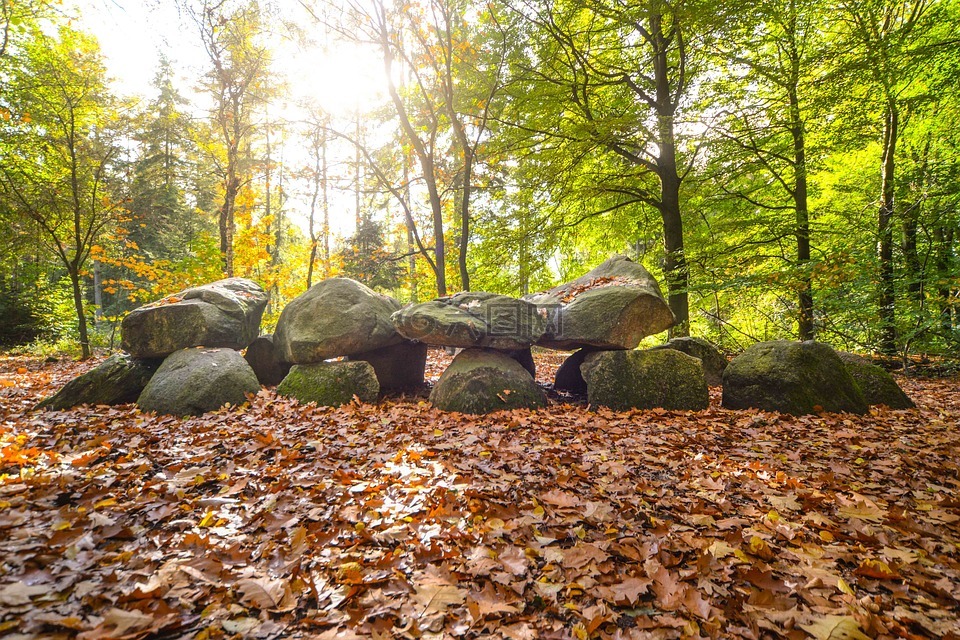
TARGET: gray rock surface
(472,319)
(875,383)
(713,361)
(195,381)
(335,317)
(225,313)
(568,377)
(664,378)
(613,306)
(482,381)
(117,380)
(331,384)
(262,357)
(399,367)
(791,377)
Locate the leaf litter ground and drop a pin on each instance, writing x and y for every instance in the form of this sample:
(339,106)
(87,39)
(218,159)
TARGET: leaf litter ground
(399,521)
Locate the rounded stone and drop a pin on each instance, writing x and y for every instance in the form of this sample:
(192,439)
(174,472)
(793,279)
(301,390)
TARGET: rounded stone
(331,384)
(791,377)
(195,381)
(335,317)
(664,378)
(483,381)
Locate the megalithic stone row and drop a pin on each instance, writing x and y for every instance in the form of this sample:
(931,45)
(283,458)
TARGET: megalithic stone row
(225,313)
(613,306)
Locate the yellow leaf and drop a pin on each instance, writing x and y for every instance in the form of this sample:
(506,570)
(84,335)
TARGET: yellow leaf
(208,520)
(844,587)
(835,628)
(106,502)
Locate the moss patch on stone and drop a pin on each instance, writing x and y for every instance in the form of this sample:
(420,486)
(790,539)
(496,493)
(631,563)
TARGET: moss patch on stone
(331,384)
(875,383)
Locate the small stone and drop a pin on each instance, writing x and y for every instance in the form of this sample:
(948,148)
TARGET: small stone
(117,380)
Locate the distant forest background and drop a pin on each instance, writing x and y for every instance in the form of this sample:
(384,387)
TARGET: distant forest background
(787,169)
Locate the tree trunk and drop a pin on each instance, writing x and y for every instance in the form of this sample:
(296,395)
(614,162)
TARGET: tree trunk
(227,224)
(805,294)
(81,316)
(675,263)
(887,293)
(465,219)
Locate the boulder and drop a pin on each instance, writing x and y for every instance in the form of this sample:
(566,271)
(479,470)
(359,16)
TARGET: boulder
(791,377)
(614,306)
(331,384)
(568,377)
(335,317)
(713,361)
(262,357)
(117,380)
(194,381)
(664,378)
(472,319)
(525,358)
(225,313)
(875,383)
(399,367)
(483,381)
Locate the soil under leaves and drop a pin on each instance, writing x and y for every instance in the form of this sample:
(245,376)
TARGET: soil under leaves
(399,521)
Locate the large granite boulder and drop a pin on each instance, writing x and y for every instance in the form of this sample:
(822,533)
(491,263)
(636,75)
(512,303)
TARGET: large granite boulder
(875,383)
(614,306)
(399,367)
(335,317)
(262,357)
(225,313)
(791,377)
(195,381)
(713,361)
(483,381)
(664,378)
(331,384)
(472,319)
(117,380)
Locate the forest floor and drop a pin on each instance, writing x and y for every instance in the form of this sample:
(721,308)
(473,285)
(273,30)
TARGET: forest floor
(399,521)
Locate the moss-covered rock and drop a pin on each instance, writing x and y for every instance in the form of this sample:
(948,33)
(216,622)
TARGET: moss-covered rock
(613,306)
(483,381)
(875,383)
(335,317)
(710,357)
(195,381)
(399,367)
(225,313)
(331,384)
(117,380)
(472,319)
(791,377)
(664,378)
